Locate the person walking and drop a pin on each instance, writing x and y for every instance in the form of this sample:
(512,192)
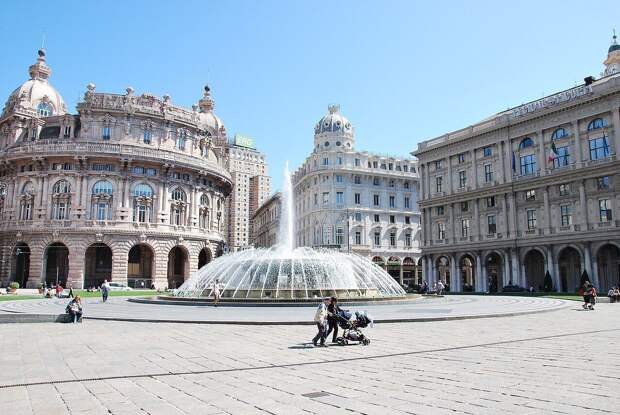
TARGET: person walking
(71,291)
(332,318)
(216,292)
(320,318)
(74,309)
(105,290)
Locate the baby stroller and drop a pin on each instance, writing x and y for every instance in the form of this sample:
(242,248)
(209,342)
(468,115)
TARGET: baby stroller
(352,328)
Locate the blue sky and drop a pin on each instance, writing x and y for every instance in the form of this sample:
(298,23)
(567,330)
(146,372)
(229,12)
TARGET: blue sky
(402,71)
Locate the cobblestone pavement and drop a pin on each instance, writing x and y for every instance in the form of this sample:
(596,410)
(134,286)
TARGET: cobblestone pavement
(453,306)
(555,362)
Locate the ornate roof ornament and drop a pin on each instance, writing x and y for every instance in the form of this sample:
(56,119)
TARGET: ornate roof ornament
(206,104)
(40,70)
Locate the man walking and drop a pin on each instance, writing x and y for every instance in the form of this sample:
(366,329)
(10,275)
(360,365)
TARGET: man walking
(332,318)
(320,318)
(105,290)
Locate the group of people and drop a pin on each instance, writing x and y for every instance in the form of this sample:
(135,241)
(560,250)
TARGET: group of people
(589,296)
(58,291)
(614,295)
(326,319)
(437,288)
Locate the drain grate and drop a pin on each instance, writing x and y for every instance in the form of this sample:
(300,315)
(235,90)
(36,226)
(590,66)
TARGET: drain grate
(313,395)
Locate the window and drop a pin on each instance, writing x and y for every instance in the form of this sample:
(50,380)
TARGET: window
(376,181)
(604,209)
(67,133)
(596,124)
(61,186)
(461,158)
(375,164)
(407,220)
(531,219)
(339,161)
(562,158)
(487,152)
(357,180)
(358,198)
(102,187)
(137,170)
(440,210)
(528,164)
(491,201)
(525,143)
(325,198)
(408,240)
(143,190)
(338,178)
(491,225)
(390,166)
(439,184)
(392,219)
(406,185)
(358,217)
(559,133)
(316,199)
(407,202)
(377,239)
(566,215)
(464,206)
(376,218)
(488,173)
(358,238)
(464,228)
(179,194)
(339,198)
(326,161)
(339,236)
(357,162)
(602,182)
(438,164)
(564,189)
(44,110)
(392,238)
(441,230)
(530,195)
(599,148)
(392,200)
(105,133)
(391,183)
(151,172)
(375,199)
(102,167)
(181,138)
(462,179)
(147,137)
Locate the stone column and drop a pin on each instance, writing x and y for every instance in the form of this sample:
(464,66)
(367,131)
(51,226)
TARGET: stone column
(454,280)
(401,278)
(506,273)
(512,215)
(474,168)
(75,275)
(548,225)
(504,207)
(449,160)
(549,250)
(452,226)
(476,220)
(515,277)
(523,282)
(422,180)
(163,198)
(589,265)
(578,147)
(502,168)
(509,154)
(424,269)
(541,152)
(583,206)
(479,276)
(615,116)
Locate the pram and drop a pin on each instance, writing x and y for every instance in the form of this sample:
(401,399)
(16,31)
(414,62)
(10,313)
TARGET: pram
(352,327)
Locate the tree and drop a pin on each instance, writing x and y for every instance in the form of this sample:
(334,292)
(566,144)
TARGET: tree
(547,283)
(584,278)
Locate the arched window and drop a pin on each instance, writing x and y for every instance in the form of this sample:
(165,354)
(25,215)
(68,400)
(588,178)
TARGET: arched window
(142,203)
(103,186)
(44,110)
(178,194)
(181,138)
(101,201)
(26,200)
(525,143)
(596,124)
(143,190)
(61,186)
(559,133)
(61,200)
(178,207)
(205,213)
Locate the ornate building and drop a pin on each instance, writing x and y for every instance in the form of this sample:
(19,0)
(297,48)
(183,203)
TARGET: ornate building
(131,188)
(358,201)
(531,190)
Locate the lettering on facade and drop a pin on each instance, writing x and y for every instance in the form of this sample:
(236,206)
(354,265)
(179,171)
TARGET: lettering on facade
(552,100)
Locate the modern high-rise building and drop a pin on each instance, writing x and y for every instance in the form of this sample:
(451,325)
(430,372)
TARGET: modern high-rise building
(252,187)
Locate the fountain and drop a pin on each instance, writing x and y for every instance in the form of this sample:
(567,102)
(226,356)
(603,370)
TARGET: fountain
(285,273)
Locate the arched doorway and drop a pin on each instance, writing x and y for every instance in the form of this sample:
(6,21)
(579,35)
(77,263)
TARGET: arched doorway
(393,267)
(377,260)
(534,264)
(140,266)
(20,269)
(408,272)
(56,264)
(442,265)
(608,264)
(97,265)
(419,272)
(493,266)
(569,264)
(177,267)
(468,275)
(204,257)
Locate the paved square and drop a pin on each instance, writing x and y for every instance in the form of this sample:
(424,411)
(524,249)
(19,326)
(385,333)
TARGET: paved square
(556,362)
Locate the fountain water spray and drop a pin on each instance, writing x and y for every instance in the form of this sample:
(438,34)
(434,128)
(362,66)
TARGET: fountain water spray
(285,231)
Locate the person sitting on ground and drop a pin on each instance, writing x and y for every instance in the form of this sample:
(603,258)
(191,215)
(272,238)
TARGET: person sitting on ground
(617,294)
(74,309)
(58,290)
(440,287)
(610,294)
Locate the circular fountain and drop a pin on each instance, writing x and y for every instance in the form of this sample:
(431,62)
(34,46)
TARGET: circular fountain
(284,273)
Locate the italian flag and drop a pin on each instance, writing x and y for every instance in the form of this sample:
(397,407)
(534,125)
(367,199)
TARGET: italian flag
(553,154)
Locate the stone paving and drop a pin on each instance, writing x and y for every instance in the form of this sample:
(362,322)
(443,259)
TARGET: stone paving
(423,308)
(556,362)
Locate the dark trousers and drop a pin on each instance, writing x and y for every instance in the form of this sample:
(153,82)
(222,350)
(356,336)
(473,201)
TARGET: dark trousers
(332,325)
(321,335)
(104,293)
(76,316)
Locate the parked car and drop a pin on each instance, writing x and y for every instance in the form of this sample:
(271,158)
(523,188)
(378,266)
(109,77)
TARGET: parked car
(117,286)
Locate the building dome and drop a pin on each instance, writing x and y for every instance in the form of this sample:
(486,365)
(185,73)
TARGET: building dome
(333,122)
(208,120)
(36,94)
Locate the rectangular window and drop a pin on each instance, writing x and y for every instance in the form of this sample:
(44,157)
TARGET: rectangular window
(531,219)
(375,200)
(462,179)
(339,198)
(325,198)
(375,181)
(487,151)
(604,209)
(440,210)
(464,228)
(602,182)
(438,164)
(338,178)
(566,215)
(358,238)
(67,133)
(326,161)
(358,198)
(528,164)
(390,166)
(141,213)
(377,239)
(441,230)
(407,202)
(392,201)
(339,161)
(392,219)
(392,238)
(375,164)
(151,172)
(180,141)
(357,162)
(391,183)
(564,189)
(357,180)
(316,199)
(408,240)
(339,236)
(599,148)
(491,201)
(406,185)
(358,217)
(530,195)
(407,220)
(563,157)
(105,133)
(488,173)
(376,218)
(439,184)
(491,225)
(461,158)
(102,211)
(464,206)
(147,137)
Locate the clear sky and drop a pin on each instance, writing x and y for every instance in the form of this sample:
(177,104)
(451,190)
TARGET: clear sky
(402,71)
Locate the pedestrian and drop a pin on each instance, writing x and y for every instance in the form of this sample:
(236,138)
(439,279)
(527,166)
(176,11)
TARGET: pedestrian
(74,309)
(58,290)
(320,318)
(592,292)
(216,292)
(586,295)
(71,291)
(105,290)
(440,287)
(332,318)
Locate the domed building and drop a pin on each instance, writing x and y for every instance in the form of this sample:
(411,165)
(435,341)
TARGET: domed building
(131,188)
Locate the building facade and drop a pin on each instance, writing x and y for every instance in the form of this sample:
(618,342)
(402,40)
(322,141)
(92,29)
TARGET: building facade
(531,190)
(252,187)
(358,201)
(129,189)
(265,222)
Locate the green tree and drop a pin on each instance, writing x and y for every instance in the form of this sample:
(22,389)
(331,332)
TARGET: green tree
(547,283)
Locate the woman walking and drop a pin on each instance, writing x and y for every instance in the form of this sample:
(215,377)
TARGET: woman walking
(332,318)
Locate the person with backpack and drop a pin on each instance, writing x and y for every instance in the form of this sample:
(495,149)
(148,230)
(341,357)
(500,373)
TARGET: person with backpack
(320,318)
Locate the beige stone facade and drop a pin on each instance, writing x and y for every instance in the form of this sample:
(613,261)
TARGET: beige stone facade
(531,190)
(265,222)
(131,188)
